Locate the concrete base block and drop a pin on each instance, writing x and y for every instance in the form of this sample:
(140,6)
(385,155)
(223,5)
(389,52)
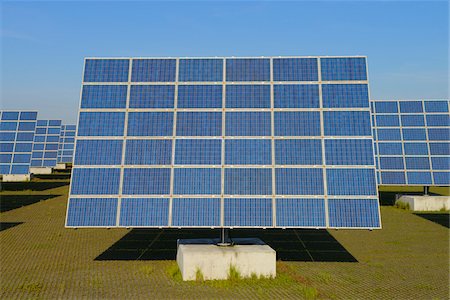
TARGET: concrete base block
(214,261)
(41,171)
(426,203)
(60,166)
(16,177)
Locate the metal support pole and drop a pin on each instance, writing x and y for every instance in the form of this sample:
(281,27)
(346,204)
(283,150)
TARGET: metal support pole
(224,240)
(425,190)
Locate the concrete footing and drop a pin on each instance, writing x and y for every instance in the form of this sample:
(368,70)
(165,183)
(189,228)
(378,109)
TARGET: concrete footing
(60,166)
(41,171)
(204,258)
(16,177)
(426,203)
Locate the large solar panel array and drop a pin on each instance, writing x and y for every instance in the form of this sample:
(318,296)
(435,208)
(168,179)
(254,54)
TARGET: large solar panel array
(412,141)
(224,142)
(16,141)
(45,146)
(66,143)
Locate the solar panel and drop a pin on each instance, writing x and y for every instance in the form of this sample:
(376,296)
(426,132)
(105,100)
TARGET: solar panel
(66,143)
(412,141)
(16,141)
(46,141)
(224,142)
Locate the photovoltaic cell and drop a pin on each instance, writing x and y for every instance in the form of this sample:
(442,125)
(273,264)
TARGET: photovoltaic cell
(46,142)
(66,143)
(222,142)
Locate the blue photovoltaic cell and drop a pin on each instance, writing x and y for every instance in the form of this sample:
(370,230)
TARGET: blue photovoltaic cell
(348,68)
(411,107)
(436,106)
(347,123)
(148,152)
(46,142)
(417,163)
(441,163)
(387,120)
(386,107)
(348,152)
(438,134)
(95,181)
(292,181)
(413,120)
(390,148)
(248,96)
(389,134)
(391,163)
(440,148)
(249,181)
(393,178)
(201,70)
(200,96)
(441,178)
(296,95)
(351,182)
(198,152)
(20,169)
(106,70)
(101,124)
(196,212)
(150,124)
(244,152)
(248,69)
(152,96)
(414,134)
(153,70)
(104,96)
(298,152)
(248,124)
(415,148)
(345,95)
(295,69)
(199,124)
(142,212)
(181,168)
(238,212)
(5,126)
(197,181)
(438,120)
(297,123)
(148,181)
(353,213)
(10,115)
(419,178)
(66,144)
(92,212)
(98,152)
(300,212)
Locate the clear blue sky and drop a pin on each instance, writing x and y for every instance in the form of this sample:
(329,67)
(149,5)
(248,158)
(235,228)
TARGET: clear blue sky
(43,43)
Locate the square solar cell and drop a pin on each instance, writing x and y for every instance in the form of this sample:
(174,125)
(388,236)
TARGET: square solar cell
(248,69)
(416,148)
(297,123)
(148,152)
(95,181)
(92,212)
(104,96)
(150,124)
(346,68)
(440,148)
(441,163)
(351,182)
(199,124)
(296,96)
(196,212)
(389,148)
(152,96)
(106,70)
(419,178)
(393,177)
(101,124)
(144,212)
(290,181)
(414,134)
(411,106)
(248,96)
(438,120)
(247,124)
(387,120)
(300,212)
(99,152)
(386,107)
(298,152)
(295,69)
(389,134)
(353,213)
(197,181)
(438,134)
(413,120)
(348,152)
(153,70)
(248,152)
(200,96)
(417,163)
(441,178)
(345,95)
(248,181)
(146,181)
(347,123)
(238,212)
(198,152)
(436,106)
(391,163)
(201,70)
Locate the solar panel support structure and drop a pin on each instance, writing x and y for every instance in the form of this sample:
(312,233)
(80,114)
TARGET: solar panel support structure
(426,190)
(224,240)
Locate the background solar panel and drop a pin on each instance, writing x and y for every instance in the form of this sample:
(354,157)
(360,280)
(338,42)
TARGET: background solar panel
(17,130)
(46,143)
(412,139)
(232,142)
(66,143)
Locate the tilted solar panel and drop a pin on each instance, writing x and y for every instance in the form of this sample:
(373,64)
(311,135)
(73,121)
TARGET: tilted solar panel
(66,143)
(46,141)
(224,142)
(16,141)
(412,141)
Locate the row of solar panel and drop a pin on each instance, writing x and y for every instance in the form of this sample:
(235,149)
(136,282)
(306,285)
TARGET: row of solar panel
(336,123)
(208,181)
(417,106)
(415,163)
(236,96)
(237,69)
(237,152)
(46,142)
(413,148)
(193,212)
(412,134)
(414,178)
(66,144)
(412,120)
